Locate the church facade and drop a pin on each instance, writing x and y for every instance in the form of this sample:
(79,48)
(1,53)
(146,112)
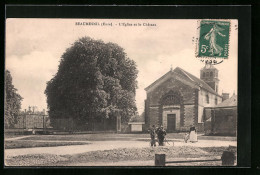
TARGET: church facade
(177,99)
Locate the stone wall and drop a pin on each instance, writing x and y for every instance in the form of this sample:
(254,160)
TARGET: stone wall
(223,121)
(154,115)
(189,114)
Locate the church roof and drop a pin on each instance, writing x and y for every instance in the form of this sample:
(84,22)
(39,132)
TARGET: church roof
(232,101)
(188,77)
(198,81)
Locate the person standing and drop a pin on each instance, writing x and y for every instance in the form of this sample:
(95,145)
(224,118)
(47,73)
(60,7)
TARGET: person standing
(193,134)
(152,134)
(186,137)
(161,133)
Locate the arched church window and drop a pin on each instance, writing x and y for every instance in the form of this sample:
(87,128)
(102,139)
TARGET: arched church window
(171,99)
(203,74)
(211,74)
(216,100)
(207,74)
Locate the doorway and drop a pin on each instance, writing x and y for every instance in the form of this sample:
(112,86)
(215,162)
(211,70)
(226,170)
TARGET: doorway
(171,122)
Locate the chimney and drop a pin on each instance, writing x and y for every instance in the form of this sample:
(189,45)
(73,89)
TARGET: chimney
(225,96)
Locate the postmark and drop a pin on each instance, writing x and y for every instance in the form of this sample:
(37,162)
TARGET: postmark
(213,39)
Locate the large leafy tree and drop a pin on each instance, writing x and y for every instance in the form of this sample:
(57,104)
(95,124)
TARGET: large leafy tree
(12,101)
(94,80)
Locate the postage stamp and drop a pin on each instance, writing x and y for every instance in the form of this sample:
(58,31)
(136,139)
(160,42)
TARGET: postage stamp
(213,39)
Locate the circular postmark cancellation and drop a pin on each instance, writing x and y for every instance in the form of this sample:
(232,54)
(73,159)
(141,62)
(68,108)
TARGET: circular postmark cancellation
(212,42)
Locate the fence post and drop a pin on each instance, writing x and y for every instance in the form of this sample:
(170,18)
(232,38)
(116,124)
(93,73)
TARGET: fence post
(159,159)
(228,158)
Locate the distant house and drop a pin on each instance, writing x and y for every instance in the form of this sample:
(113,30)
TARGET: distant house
(221,119)
(32,119)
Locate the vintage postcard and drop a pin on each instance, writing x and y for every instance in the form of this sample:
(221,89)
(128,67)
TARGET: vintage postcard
(121,92)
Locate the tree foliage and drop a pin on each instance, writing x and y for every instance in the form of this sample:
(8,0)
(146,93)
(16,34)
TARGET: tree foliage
(12,101)
(94,80)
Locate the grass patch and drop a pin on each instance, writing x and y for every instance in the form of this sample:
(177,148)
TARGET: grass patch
(30,144)
(219,150)
(146,154)
(34,160)
(111,137)
(127,154)
(119,155)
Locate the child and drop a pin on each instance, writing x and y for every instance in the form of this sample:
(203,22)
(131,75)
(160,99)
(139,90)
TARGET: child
(152,134)
(186,137)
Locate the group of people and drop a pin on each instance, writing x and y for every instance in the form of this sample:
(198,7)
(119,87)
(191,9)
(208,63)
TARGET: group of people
(160,132)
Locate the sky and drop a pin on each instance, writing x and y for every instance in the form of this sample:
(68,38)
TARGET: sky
(34,48)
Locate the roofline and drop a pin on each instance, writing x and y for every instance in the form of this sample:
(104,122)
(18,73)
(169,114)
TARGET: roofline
(184,71)
(192,84)
(211,93)
(186,74)
(148,87)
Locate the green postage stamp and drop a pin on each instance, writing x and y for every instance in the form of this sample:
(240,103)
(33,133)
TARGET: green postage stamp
(213,39)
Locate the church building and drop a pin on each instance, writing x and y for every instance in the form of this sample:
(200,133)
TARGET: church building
(177,99)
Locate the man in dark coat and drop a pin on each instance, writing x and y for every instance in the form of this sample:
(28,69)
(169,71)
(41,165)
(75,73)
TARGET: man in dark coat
(152,134)
(161,133)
